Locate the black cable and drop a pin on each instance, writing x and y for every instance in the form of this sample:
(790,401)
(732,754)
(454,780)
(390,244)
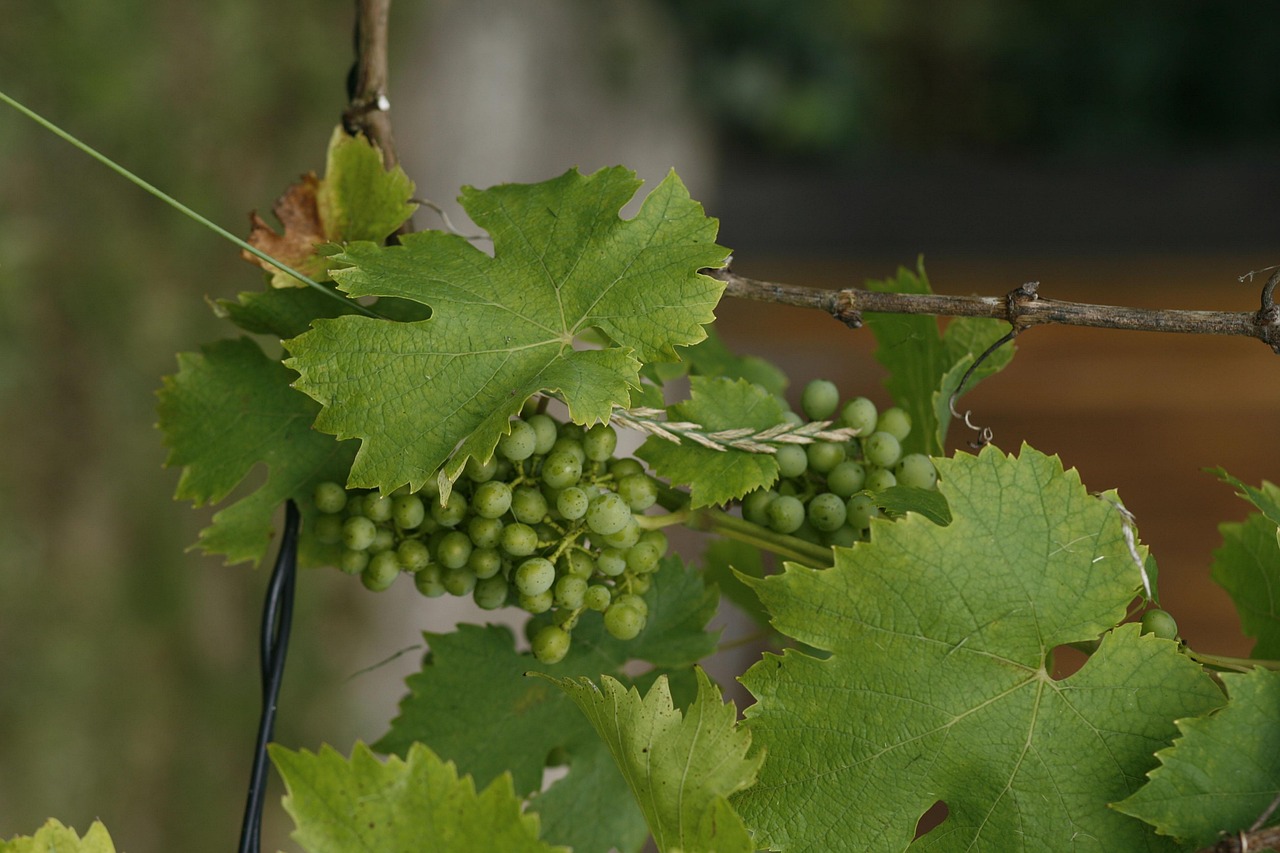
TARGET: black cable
(277,616)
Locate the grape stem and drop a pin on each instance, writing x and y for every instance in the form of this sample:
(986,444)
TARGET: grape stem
(1230,663)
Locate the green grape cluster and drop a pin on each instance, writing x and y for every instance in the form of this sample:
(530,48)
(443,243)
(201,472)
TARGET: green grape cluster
(823,490)
(549,523)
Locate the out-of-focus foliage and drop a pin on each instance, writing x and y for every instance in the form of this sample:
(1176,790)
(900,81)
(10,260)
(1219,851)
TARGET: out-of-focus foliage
(835,77)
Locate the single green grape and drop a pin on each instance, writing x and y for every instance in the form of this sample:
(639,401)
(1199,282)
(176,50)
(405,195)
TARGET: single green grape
(625,467)
(572,503)
(879,479)
(611,562)
(480,472)
(578,563)
(490,593)
(846,478)
(597,597)
(561,470)
(534,576)
(540,603)
(491,499)
(519,444)
(785,514)
(826,512)
(916,469)
(528,505)
(1161,623)
(624,538)
(458,582)
(607,514)
(382,571)
(756,504)
(642,557)
(358,533)
(484,532)
(414,555)
(860,414)
(353,562)
(630,599)
(408,511)
(820,399)
(378,508)
(640,583)
(545,431)
(882,449)
(825,455)
(484,562)
(550,644)
(428,581)
(454,550)
(383,540)
(452,512)
(639,491)
(657,539)
(896,422)
(860,509)
(570,591)
(623,622)
(519,540)
(570,445)
(792,461)
(329,497)
(600,442)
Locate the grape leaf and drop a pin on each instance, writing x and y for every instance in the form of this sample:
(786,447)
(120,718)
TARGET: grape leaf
(930,503)
(472,704)
(279,312)
(938,685)
(926,367)
(1247,566)
(716,477)
(227,409)
(680,767)
(401,805)
(713,358)
(53,837)
(1221,773)
(359,199)
(423,394)
(1266,498)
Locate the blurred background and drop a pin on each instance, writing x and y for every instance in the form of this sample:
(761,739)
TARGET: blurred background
(1121,154)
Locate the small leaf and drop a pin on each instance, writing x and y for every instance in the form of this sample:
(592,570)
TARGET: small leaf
(410,805)
(930,503)
(53,837)
(680,767)
(1221,773)
(503,327)
(716,477)
(1247,566)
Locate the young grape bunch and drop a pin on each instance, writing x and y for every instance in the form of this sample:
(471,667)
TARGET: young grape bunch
(551,524)
(824,493)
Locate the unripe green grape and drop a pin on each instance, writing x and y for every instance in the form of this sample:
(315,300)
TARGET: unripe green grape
(623,622)
(329,497)
(454,550)
(792,461)
(755,506)
(882,449)
(785,514)
(378,508)
(428,581)
(458,582)
(790,417)
(860,414)
(826,512)
(1161,623)
(860,509)
(408,511)
(353,562)
(545,433)
(642,558)
(568,445)
(382,571)
(597,597)
(328,529)
(414,555)
(484,562)
(640,583)
(657,539)
(896,422)
(519,444)
(490,593)
(452,512)
(611,562)
(844,537)
(534,576)
(550,644)
(572,503)
(577,564)
(519,540)
(480,472)
(820,399)
(358,533)
(528,505)
(383,540)
(624,538)
(491,499)
(916,469)
(824,455)
(561,470)
(599,442)
(846,478)
(535,604)
(625,467)
(484,532)
(789,487)
(630,599)
(607,514)
(569,591)
(639,491)
(879,479)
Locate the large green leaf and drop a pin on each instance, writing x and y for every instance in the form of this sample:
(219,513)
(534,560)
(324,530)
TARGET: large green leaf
(939,686)
(1223,772)
(680,767)
(436,392)
(1247,566)
(228,409)
(716,477)
(398,806)
(53,837)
